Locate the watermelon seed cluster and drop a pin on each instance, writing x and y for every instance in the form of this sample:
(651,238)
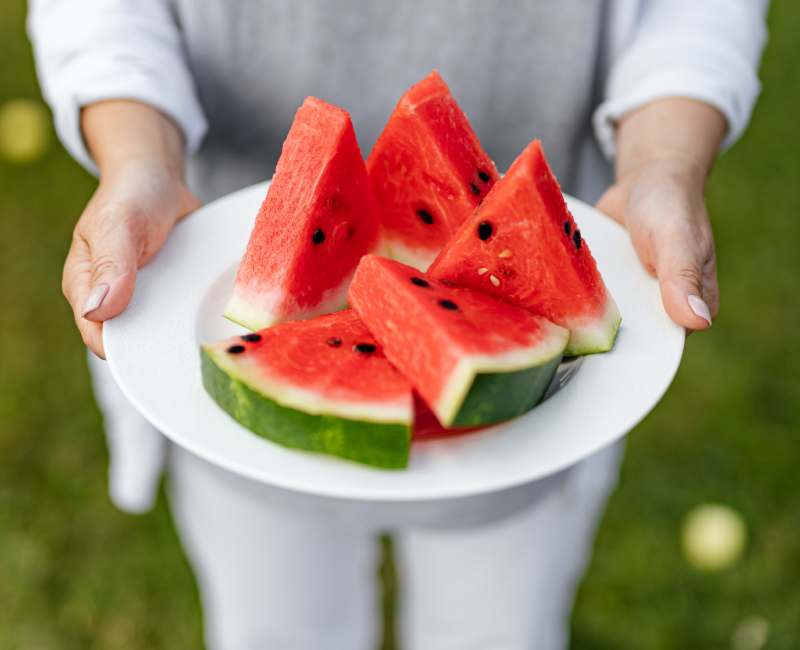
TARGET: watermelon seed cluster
(484,177)
(444,303)
(576,236)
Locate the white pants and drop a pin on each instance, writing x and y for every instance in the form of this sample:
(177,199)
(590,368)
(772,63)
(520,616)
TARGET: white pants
(281,571)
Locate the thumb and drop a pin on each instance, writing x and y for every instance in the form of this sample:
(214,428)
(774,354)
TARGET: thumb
(612,203)
(114,260)
(682,274)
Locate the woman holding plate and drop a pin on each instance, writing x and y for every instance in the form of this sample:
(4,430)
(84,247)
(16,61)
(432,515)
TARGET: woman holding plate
(175,102)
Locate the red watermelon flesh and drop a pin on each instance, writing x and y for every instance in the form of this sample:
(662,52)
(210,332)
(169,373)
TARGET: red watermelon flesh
(427,171)
(522,245)
(315,223)
(475,360)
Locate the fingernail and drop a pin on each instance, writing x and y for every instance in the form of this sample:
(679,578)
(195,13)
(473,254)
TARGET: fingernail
(94,299)
(699,307)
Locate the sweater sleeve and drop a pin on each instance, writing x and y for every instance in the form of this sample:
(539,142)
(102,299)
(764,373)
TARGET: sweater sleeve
(92,50)
(707,50)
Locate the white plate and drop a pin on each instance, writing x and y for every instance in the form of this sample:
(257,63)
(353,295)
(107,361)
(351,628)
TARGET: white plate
(152,349)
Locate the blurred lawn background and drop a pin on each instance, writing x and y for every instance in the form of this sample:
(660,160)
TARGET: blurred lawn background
(76,574)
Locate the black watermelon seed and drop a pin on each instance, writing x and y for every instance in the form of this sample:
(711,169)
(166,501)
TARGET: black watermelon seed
(420,282)
(365,348)
(251,338)
(448,304)
(236,349)
(334,341)
(484,176)
(576,238)
(425,216)
(318,237)
(485,230)
(475,189)
(567,227)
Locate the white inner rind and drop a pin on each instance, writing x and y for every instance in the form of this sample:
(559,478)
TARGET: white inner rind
(419,258)
(550,346)
(243,369)
(257,310)
(595,334)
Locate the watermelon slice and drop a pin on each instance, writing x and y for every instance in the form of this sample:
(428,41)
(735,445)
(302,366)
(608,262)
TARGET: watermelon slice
(427,171)
(322,385)
(314,225)
(522,245)
(475,360)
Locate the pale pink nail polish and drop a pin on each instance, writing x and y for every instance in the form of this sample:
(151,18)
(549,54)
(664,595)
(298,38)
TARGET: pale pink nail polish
(95,298)
(699,307)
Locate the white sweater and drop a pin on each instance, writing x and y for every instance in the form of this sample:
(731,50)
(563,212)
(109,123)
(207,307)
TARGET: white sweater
(89,50)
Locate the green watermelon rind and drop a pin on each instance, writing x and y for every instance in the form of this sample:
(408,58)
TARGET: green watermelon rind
(497,397)
(485,389)
(379,444)
(596,336)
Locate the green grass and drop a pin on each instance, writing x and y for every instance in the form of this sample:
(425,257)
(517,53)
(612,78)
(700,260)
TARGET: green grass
(76,574)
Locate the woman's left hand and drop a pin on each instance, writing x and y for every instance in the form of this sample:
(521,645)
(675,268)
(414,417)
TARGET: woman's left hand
(661,204)
(665,151)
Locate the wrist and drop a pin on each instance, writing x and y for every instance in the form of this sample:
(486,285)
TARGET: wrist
(676,134)
(124,136)
(679,170)
(146,170)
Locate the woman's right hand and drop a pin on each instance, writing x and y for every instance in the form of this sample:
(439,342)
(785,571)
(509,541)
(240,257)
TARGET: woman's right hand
(125,223)
(140,198)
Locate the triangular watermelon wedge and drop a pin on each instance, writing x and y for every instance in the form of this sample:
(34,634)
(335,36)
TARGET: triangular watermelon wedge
(522,245)
(474,359)
(316,222)
(427,171)
(322,385)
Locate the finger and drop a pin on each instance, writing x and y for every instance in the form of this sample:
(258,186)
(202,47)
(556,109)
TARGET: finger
(189,203)
(612,203)
(92,335)
(679,268)
(114,253)
(711,285)
(77,274)
(75,284)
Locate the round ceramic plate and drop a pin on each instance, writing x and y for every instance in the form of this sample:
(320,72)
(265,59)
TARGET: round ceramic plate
(153,352)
